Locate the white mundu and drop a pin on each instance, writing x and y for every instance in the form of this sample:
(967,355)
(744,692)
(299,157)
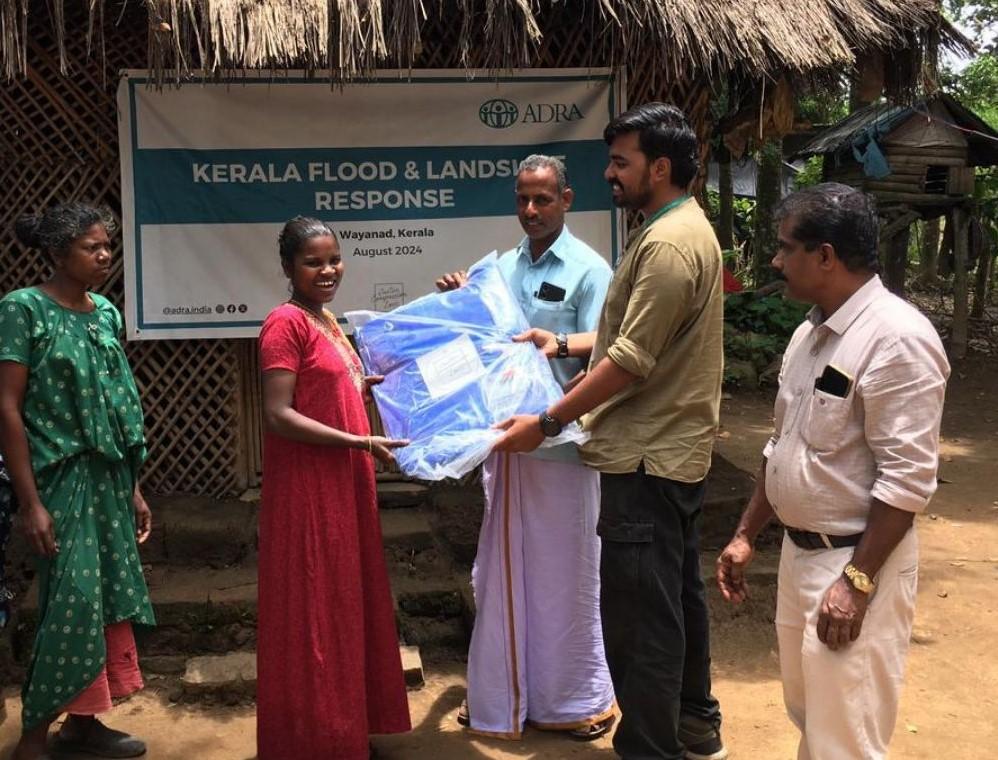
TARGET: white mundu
(537,648)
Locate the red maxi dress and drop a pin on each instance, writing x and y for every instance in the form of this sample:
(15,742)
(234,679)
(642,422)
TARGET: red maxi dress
(328,665)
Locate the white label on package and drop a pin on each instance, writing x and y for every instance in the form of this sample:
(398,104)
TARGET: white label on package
(450,367)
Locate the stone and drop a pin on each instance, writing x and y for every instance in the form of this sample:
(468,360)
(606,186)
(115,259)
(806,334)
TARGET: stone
(412,666)
(221,675)
(164,664)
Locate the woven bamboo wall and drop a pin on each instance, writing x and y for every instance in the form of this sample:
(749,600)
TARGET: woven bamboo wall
(59,142)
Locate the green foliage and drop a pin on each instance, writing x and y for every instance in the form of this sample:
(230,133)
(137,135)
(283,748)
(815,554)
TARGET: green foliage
(976,86)
(825,105)
(772,315)
(744,209)
(756,332)
(986,197)
(810,174)
(979,17)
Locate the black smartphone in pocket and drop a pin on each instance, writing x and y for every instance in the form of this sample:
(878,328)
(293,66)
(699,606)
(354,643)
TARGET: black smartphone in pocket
(549,292)
(834,382)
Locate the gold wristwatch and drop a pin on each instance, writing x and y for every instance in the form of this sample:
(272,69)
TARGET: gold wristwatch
(860,580)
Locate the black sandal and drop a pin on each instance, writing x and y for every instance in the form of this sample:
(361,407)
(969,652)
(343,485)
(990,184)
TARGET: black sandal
(463,716)
(594,731)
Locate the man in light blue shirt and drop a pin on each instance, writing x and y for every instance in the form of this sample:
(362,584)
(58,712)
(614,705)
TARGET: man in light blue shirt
(537,648)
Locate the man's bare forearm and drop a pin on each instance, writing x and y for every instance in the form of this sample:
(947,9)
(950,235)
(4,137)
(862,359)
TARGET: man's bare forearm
(604,381)
(885,528)
(580,345)
(758,512)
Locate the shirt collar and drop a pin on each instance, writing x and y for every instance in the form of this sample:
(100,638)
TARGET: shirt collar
(558,248)
(847,313)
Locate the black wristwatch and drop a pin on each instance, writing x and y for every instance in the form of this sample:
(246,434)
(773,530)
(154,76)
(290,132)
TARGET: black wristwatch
(550,426)
(562,340)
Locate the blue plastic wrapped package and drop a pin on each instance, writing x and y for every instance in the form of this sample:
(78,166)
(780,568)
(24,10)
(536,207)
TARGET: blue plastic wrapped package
(452,371)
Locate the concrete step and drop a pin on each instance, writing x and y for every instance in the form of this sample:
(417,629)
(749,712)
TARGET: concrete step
(429,606)
(398,494)
(406,528)
(202,610)
(197,530)
(231,678)
(455,511)
(198,610)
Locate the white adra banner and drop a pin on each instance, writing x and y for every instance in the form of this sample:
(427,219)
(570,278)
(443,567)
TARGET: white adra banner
(414,171)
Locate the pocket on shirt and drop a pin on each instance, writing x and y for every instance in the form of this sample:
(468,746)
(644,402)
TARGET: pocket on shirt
(542,305)
(556,316)
(826,421)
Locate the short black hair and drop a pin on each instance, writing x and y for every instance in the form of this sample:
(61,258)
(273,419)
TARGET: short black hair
(837,214)
(296,232)
(55,229)
(663,132)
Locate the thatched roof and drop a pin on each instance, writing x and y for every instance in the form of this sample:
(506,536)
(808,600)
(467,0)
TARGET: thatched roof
(348,37)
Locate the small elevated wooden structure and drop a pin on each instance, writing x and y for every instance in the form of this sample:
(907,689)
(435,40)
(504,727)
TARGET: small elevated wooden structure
(918,161)
(930,149)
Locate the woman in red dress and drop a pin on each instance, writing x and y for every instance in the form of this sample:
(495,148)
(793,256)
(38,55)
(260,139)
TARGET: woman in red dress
(329,672)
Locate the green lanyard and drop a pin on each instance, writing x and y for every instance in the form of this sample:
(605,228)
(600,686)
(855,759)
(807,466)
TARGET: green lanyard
(664,210)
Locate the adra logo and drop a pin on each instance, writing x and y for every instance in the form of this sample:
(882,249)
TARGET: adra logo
(499,113)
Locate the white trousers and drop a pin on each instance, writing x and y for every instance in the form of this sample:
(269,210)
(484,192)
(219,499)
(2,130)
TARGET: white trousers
(537,646)
(845,703)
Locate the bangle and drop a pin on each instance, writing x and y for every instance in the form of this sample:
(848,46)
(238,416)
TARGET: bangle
(370,445)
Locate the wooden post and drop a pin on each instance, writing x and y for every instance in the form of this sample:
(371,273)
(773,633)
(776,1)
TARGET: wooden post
(894,239)
(960,219)
(768,189)
(985,266)
(726,191)
(894,251)
(928,262)
(866,81)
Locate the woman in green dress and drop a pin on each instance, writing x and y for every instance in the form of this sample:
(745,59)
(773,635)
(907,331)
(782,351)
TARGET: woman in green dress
(71,433)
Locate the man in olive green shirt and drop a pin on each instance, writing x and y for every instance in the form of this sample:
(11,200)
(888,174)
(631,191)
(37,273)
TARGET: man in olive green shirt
(650,402)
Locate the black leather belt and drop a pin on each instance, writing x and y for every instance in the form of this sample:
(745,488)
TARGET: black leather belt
(805,539)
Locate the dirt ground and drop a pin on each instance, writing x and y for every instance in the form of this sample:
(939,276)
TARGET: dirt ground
(951,694)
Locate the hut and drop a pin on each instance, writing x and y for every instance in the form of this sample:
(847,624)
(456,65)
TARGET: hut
(918,161)
(918,157)
(59,139)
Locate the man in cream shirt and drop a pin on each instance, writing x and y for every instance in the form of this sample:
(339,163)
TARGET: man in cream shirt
(851,462)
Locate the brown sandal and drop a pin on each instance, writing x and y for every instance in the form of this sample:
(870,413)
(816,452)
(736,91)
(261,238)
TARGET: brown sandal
(594,731)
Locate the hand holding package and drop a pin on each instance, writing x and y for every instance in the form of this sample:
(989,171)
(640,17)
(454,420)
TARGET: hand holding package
(452,371)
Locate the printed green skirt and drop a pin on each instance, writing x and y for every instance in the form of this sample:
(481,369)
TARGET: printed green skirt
(95,579)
